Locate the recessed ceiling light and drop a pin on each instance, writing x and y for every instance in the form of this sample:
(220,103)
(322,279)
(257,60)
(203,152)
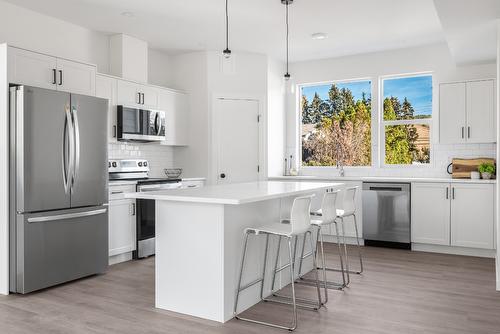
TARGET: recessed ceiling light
(319,35)
(128,14)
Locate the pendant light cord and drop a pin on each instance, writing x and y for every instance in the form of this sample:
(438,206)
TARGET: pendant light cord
(287,37)
(227,27)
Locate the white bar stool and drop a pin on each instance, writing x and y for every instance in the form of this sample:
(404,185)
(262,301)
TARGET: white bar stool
(328,217)
(348,209)
(300,224)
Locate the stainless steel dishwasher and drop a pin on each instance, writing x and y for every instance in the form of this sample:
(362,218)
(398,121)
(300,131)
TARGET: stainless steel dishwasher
(386,214)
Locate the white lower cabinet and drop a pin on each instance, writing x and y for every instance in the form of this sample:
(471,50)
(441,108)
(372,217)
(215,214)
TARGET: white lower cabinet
(453,214)
(122,223)
(430,203)
(472,216)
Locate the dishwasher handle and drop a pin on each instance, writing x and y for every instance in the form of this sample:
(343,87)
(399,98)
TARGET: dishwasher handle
(386,188)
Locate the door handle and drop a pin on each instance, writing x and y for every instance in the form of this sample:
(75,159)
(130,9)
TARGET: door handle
(60,77)
(76,129)
(66,216)
(222,176)
(54,76)
(67,163)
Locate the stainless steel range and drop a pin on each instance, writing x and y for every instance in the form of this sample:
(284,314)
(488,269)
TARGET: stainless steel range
(138,170)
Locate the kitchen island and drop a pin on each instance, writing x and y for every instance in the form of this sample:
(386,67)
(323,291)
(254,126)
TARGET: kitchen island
(199,236)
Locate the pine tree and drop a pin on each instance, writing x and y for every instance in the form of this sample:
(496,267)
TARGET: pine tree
(306,110)
(316,106)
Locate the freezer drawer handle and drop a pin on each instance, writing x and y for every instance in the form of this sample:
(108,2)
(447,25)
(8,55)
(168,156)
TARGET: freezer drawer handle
(66,216)
(386,188)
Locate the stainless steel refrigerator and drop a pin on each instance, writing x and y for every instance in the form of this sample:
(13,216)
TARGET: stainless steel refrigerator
(58,187)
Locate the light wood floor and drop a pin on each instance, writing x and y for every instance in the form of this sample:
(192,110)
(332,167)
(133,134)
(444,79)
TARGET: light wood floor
(400,292)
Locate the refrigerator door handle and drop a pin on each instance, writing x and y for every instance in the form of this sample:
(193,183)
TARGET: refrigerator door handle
(67,216)
(76,130)
(67,163)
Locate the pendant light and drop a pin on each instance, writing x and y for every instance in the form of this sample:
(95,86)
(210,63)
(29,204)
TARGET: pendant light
(227,52)
(286,3)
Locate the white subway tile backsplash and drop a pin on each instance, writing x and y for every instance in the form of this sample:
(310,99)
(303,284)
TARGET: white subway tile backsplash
(159,156)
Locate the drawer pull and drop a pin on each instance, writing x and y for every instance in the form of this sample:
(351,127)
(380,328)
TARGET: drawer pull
(116,192)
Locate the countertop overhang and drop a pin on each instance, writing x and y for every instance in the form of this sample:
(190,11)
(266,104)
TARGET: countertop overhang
(237,193)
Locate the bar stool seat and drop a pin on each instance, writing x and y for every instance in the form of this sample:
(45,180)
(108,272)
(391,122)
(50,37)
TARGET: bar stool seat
(274,228)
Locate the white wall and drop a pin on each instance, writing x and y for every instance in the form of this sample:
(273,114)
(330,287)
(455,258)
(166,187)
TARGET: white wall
(30,30)
(435,58)
(160,70)
(498,157)
(275,117)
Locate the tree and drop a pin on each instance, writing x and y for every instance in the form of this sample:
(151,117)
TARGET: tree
(306,111)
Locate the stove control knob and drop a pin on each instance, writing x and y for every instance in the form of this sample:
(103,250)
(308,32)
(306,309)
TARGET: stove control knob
(140,163)
(114,164)
(109,164)
(145,163)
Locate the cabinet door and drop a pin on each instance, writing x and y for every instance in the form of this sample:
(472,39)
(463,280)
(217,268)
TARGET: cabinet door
(452,113)
(481,112)
(74,77)
(31,68)
(472,215)
(122,227)
(149,96)
(106,89)
(127,93)
(175,106)
(430,207)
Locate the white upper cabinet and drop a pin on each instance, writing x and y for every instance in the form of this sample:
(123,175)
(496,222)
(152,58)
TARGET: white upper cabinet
(481,112)
(430,204)
(75,77)
(467,112)
(106,89)
(175,106)
(452,113)
(136,95)
(39,70)
(472,215)
(32,69)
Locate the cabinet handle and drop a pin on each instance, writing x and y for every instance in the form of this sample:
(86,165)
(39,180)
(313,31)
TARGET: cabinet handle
(116,192)
(133,209)
(114,131)
(60,77)
(447,193)
(142,98)
(139,97)
(468,132)
(462,132)
(453,193)
(54,76)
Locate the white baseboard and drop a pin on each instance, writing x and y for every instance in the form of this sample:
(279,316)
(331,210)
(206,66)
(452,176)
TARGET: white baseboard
(490,253)
(115,259)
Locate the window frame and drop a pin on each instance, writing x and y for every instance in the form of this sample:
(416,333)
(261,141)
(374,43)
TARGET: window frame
(381,123)
(298,96)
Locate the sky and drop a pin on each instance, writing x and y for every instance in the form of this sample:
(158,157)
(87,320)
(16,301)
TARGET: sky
(418,90)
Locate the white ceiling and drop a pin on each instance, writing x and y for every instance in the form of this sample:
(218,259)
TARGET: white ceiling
(470,27)
(353,26)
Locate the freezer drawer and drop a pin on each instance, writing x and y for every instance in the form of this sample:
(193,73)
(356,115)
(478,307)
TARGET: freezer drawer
(386,214)
(59,246)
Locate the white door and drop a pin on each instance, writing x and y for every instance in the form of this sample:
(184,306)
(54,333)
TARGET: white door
(430,207)
(452,113)
(31,68)
(122,226)
(472,215)
(481,112)
(236,144)
(75,77)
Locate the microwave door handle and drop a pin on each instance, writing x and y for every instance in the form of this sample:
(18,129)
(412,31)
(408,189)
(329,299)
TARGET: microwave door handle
(76,129)
(157,124)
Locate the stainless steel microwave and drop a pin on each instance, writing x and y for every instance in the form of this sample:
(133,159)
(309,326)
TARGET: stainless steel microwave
(140,125)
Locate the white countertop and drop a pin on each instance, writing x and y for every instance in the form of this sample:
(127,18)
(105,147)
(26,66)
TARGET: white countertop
(377,179)
(237,193)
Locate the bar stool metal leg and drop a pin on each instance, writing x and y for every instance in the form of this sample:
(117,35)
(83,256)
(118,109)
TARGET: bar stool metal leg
(359,246)
(244,252)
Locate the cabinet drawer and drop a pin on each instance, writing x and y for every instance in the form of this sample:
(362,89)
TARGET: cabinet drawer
(192,184)
(118,192)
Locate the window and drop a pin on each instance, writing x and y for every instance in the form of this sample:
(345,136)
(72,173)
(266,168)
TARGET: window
(407,119)
(336,123)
